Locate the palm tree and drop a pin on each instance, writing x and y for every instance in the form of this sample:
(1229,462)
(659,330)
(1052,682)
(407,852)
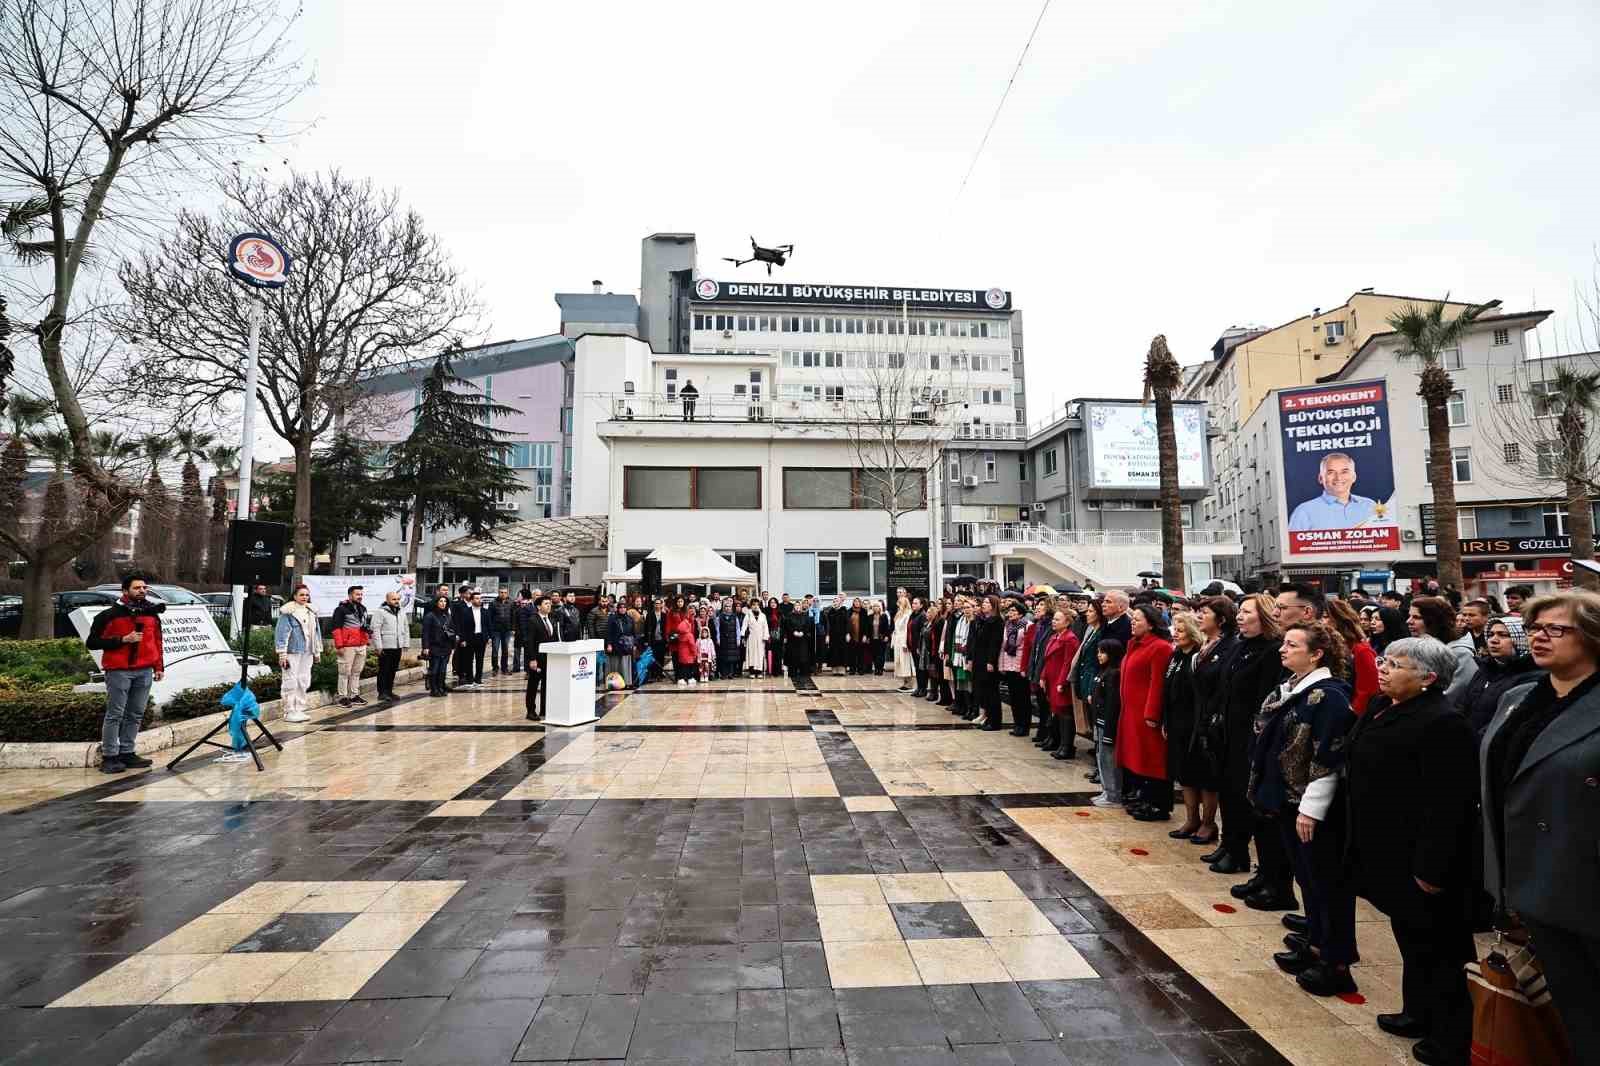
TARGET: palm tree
(153,548)
(1428,334)
(191,444)
(18,224)
(1577,392)
(115,453)
(1163,377)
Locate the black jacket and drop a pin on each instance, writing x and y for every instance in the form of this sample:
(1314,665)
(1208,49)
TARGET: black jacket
(984,638)
(461,619)
(1252,673)
(1411,787)
(799,635)
(1105,702)
(1495,677)
(542,630)
(438,632)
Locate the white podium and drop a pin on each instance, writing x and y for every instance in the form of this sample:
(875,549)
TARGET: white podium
(571,677)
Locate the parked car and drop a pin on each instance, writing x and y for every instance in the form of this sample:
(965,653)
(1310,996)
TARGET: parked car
(62,605)
(173,596)
(225,601)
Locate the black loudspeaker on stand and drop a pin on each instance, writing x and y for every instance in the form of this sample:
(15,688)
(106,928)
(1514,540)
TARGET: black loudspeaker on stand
(650,576)
(255,557)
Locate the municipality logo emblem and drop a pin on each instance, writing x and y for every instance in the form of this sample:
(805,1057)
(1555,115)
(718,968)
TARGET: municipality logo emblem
(995,298)
(707,289)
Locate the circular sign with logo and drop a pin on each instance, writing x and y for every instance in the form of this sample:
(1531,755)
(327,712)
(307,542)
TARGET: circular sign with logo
(257,260)
(995,298)
(707,289)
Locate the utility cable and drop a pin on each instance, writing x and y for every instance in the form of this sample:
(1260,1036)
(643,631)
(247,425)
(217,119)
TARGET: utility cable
(1001,105)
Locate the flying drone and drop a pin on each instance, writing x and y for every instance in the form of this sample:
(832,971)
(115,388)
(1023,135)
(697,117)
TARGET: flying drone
(774,256)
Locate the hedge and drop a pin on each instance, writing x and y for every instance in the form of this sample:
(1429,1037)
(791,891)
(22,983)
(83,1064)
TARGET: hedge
(31,664)
(54,715)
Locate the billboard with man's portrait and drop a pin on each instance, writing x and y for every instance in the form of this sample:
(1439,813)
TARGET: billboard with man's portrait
(1338,470)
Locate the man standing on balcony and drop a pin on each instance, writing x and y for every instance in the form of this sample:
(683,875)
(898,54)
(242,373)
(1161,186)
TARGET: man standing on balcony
(688,394)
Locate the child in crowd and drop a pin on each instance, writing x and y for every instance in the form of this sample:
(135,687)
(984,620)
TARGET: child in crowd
(708,655)
(1105,707)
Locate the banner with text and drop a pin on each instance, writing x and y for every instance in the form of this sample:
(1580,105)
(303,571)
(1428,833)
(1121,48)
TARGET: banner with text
(1335,440)
(327,590)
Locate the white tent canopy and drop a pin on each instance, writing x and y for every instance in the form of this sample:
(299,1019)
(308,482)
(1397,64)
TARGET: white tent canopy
(688,564)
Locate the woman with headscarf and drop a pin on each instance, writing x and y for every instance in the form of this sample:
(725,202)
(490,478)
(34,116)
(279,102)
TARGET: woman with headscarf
(1505,664)
(756,632)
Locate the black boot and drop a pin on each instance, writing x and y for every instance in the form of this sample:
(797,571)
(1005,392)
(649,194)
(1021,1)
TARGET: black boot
(1053,737)
(946,697)
(1041,734)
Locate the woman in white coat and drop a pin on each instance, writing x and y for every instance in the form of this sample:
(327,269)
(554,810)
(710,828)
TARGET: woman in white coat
(905,667)
(756,632)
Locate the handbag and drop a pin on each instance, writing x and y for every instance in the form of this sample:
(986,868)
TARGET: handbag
(1514,1021)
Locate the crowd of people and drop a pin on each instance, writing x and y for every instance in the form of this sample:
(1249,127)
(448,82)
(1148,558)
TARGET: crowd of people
(1438,759)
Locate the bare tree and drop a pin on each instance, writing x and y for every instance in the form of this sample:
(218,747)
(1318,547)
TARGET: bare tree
(1162,377)
(370,288)
(104,101)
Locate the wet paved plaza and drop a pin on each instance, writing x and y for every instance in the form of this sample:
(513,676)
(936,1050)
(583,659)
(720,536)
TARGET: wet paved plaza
(742,874)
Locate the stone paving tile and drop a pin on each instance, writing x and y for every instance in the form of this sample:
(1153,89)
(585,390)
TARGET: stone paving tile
(741,874)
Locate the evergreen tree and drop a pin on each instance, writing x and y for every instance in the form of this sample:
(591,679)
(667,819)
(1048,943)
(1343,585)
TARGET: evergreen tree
(55,516)
(191,531)
(222,457)
(451,470)
(153,548)
(24,412)
(350,495)
(114,452)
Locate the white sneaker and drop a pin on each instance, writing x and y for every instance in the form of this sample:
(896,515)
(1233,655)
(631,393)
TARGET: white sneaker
(1101,801)
(235,756)
(692,682)
(297,716)
(682,682)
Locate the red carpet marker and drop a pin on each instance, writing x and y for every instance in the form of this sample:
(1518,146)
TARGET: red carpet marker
(1084,814)
(1224,908)
(1139,851)
(1353,997)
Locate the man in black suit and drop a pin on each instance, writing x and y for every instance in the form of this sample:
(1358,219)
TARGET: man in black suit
(542,630)
(461,622)
(1115,609)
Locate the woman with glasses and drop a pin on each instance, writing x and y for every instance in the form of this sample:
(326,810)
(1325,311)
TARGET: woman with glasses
(1411,780)
(1540,763)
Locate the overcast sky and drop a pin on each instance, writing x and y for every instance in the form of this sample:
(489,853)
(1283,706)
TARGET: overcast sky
(1159,167)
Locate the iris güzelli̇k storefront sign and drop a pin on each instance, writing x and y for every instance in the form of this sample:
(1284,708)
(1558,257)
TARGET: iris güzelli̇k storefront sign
(1338,471)
(707,290)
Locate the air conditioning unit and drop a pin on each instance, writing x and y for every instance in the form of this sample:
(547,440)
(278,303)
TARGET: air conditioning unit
(970,481)
(1408,534)
(512,506)
(727,333)
(1038,508)
(1332,338)
(1505,568)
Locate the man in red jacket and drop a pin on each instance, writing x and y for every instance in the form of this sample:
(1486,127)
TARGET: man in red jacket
(128,636)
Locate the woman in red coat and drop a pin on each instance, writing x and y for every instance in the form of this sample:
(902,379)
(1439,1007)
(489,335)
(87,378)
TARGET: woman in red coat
(1141,749)
(685,659)
(1059,649)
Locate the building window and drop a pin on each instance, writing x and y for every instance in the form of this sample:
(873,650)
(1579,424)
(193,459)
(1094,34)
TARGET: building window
(1505,393)
(1547,455)
(1049,461)
(703,488)
(1518,516)
(1467,523)
(1455,410)
(845,489)
(1022,467)
(1460,466)
(1502,336)
(988,467)
(1555,520)
(1546,401)
(953,466)
(1513,452)
(1450,358)
(1335,329)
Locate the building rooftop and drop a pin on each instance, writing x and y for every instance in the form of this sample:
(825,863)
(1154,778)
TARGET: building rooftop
(493,358)
(621,309)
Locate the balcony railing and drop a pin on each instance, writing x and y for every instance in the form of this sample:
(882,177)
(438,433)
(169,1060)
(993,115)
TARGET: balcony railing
(1024,533)
(722,407)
